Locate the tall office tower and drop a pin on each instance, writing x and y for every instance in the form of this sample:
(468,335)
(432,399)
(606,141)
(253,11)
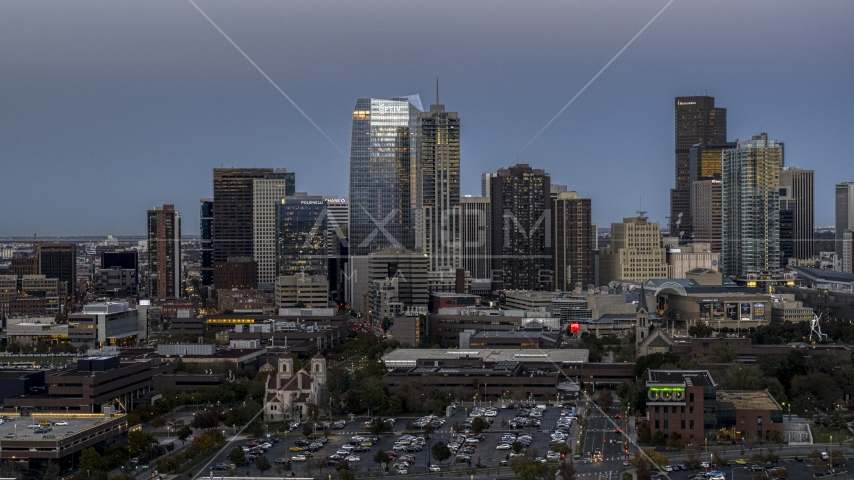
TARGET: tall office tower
(337,218)
(58,260)
(383,162)
(521,229)
(635,253)
(438,191)
(796,201)
(337,213)
(234,213)
(697,121)
(409,268)
(475,236)
(301,236)
(164,252)
(844,212)
(573,242)
(706,212)
(206,217)
(266,193)
(486,184)
(750,193)
(383,145)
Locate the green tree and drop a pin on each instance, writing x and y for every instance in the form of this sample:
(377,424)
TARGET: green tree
(262,464)
(440,452)
(479,424)
(700,330)
(517,447)
(378,426)
(381,458)
(345,474)
(307,430)
(91,460)
(50,471)
(528,468)
(237,456)
(722,352)
(184,433)
(313,410)
(566,470)
(643,472)
(605,399)
(158,422)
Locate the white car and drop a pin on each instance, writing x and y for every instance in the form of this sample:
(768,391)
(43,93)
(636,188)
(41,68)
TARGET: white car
(504,446)
(35,425)
(704,465)
(62,423)
(552,456)
(353,458)
(298,458)
(491,413)
(435,468)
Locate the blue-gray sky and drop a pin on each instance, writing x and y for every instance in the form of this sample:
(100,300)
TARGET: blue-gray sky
(108,109)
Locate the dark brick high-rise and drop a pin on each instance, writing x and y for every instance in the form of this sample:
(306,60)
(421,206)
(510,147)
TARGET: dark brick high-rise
(697,121)
(522,230)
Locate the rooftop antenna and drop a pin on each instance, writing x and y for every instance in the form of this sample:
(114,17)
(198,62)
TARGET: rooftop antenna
(641,212)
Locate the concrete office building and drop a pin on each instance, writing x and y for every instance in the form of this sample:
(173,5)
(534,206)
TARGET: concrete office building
(164,252)
(751,206)
(337,218)
(410,268)
(521,229)
(106,324)
(797,205)
(707,213)
(475,236)
(438,186)
(844,213)
(573,244)
(697,121)
(311,291)
(301,236)
(635,253)
(266,193)
(847,251)
(236,272)
(684,258)
(206,217)
(338,256)
(233,213)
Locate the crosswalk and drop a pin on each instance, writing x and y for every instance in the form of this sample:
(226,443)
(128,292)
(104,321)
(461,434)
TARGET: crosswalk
(614,474)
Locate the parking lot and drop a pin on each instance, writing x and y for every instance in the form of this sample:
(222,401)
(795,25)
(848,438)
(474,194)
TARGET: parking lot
(483,453)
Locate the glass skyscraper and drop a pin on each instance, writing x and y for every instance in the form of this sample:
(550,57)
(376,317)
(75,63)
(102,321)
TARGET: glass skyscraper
(301,236)
(383,162)
(750,194)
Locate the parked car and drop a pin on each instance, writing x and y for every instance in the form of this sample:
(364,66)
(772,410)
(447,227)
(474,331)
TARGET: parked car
(435,468)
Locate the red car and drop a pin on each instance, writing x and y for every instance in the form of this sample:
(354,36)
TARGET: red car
(617,416)
(617,430)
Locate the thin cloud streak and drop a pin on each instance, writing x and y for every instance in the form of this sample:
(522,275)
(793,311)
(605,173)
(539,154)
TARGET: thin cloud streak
(594,76)
(268,78)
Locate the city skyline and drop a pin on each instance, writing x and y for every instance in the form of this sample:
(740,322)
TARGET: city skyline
(148,115)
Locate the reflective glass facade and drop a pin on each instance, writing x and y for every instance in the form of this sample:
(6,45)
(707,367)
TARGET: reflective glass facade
(750,196)
(301,236)
(383,143)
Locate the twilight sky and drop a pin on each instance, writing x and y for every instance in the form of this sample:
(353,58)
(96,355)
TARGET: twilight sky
(108,109)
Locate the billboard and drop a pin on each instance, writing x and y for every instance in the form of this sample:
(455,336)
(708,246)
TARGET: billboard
(706,312)
(745,311)
(732,312)
(574,327)
(717,311)
(759,311)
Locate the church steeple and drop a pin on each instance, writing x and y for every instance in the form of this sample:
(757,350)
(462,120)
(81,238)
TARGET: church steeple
(641,318)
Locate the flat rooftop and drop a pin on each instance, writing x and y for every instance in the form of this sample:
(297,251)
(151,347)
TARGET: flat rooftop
(75,425)
(747,399)
(690,378)
(407,357)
